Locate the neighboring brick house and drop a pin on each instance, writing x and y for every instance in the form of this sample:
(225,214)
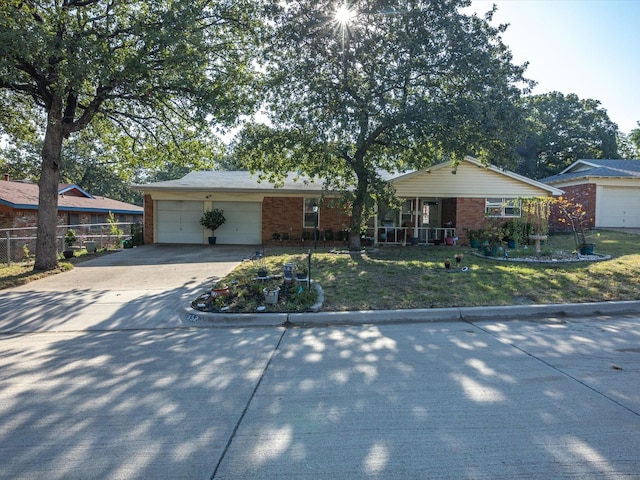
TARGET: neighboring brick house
(438,203)
(609,191)
(19,209)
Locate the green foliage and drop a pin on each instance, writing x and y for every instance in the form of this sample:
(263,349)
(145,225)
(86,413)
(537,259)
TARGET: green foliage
(213,219)
(114,228)
(136,70)
(399,87)
(562,129)
(535,212)
(70,237)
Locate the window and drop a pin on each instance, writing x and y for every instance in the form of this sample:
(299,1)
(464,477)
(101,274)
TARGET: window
(309,220)
(95,219)
(74,219)
(503,207)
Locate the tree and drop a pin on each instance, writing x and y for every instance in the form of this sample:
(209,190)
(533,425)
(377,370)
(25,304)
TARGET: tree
(634,140)
(350,92)
(562,129)
(139,66)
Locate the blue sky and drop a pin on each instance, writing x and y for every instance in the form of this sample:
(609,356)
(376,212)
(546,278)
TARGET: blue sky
(587,47)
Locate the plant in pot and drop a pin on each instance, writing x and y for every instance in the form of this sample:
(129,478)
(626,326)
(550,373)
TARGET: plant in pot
(212,219)
(513,233)
(301,271)
(262,269)
(475,237)
(495,235)
(69,239)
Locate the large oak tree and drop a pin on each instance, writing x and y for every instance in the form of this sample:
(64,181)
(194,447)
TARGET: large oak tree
(562,129)
(141,66)
(367,85)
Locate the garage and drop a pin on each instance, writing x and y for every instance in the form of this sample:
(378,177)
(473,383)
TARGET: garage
(178,221)
(243,223)
(618,207)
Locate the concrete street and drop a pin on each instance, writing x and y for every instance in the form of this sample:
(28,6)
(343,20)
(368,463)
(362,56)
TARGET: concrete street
(101,377)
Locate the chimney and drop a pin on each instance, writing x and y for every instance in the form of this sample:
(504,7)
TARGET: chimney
(7,177)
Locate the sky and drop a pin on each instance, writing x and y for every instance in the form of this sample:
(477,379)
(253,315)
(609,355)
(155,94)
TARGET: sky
(587,47)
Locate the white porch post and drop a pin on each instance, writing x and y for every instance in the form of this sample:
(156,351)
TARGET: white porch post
(375,225)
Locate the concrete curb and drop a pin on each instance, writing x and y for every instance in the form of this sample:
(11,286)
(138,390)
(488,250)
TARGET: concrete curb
(429,315)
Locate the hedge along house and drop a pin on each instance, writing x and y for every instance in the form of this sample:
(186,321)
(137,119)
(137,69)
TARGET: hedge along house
(437,203)
(609,191)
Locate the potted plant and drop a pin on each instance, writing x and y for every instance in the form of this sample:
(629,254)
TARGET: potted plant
(69,239)
(271,294)
(301,272)
(212,219)
(475,237)
(262,269)
(513,233)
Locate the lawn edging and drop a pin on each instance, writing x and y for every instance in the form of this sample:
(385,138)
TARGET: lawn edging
(427,315)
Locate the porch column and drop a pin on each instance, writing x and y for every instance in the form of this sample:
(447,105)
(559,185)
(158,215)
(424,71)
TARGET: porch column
(375,225)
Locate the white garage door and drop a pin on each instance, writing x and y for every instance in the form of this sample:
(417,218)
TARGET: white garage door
(243,223)
(178,221)
(619,207)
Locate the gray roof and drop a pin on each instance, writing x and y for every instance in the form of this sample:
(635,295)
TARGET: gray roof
(232,181)
(242,180)
(597,168)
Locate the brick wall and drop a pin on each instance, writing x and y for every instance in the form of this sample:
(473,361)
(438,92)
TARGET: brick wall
(584,194)
(469,215)
(148,219)
(284,215)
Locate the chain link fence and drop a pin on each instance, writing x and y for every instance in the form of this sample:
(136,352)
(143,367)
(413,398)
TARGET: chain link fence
(19,244)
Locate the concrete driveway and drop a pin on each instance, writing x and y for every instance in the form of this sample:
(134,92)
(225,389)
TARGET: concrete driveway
(139,288)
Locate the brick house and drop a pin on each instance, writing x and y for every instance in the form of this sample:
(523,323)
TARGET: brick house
(437,203)
(19,211)
(609,191)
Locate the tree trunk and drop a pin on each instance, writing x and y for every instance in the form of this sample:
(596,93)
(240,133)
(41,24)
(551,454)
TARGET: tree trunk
(357,213)
(46,242)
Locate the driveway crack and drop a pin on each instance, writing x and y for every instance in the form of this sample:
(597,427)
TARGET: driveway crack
(246,407)
(550,365)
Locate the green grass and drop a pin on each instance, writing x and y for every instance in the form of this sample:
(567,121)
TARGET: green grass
(20,273)
(415,277)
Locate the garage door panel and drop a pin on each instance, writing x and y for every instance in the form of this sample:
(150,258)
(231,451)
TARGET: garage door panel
(619,207)
(243,223)
(179,221)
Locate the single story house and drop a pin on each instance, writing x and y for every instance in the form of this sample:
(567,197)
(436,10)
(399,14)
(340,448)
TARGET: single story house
(609,191)
(76,208)
(439,202)
(19,206)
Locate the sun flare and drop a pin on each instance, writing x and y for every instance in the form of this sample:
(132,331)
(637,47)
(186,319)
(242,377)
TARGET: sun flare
(344,14)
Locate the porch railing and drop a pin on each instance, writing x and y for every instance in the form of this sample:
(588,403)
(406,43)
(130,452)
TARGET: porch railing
(424,235)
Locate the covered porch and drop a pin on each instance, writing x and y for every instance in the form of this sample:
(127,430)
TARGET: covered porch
(420,221)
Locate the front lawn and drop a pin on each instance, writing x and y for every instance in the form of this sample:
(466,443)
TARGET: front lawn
(415,277)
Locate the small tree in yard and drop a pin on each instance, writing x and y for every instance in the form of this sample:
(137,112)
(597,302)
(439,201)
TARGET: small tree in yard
(573,214)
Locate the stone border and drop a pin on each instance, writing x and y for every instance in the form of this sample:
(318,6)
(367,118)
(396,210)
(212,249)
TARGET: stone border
(583,258)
